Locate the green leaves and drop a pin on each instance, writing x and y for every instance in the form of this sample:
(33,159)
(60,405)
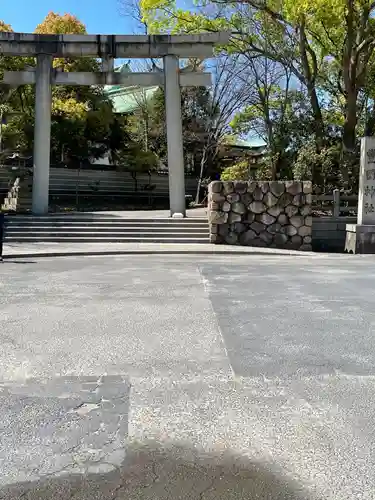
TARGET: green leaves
(237,172)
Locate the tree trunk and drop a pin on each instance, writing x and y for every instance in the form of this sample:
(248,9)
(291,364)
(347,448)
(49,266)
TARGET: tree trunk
(310,72)
(349,134)
(317,115)
(203,162)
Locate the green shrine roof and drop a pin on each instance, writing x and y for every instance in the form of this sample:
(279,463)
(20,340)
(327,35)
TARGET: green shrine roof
(128,99)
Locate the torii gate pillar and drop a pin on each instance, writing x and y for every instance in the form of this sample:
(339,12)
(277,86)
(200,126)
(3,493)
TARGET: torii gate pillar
(176,169)
(42,134)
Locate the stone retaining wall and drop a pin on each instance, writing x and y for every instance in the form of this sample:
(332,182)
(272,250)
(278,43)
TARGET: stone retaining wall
(264,214)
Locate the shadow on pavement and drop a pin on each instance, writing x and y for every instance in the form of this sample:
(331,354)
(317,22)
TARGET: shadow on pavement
(161,472)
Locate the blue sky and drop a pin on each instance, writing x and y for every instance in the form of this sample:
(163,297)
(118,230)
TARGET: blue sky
(99,16)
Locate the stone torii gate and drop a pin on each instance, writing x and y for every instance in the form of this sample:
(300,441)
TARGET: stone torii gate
(108,47)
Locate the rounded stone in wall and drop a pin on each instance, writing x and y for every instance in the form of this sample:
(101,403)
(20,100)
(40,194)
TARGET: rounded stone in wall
(297,221)
(249,217)
(233,197)
(266,237)
(289,230)
(298,200)
(257,207)
(258,217)
(226,207)
(305,248)
(296,240)
(267,219)
(246,198)
(223,229)
(285,199)
(252,186)
(280,239)
(257,242)
(216,186)
(293,187)
(228,187)
(308,220)
(239,227)
(283,219)
(274,211)
(238,207)
(264,186)
(307,239)
(247,237)
(218,217)
(308,199)
(291,210)
(290,245)
(274,228)
(304,231)
(270,199)
(240,187)
(307,187)
(277,188)
(258,194)
(218,197)
(234,218)
(231,238)
(258,227)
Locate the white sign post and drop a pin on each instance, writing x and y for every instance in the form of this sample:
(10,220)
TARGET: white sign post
(360,237)
(366,195)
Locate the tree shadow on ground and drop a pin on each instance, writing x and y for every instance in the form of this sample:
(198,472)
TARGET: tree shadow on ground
(153,471)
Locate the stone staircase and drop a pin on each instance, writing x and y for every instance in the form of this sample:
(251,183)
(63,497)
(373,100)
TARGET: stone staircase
(91,228)
(19,196)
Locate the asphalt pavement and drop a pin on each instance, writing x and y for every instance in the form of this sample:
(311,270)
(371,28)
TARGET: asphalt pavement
(187,377)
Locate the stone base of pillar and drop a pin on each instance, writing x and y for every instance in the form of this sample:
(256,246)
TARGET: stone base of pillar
(360,238)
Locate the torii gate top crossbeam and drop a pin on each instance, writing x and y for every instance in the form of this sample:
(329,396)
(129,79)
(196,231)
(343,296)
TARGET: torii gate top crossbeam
(114,46)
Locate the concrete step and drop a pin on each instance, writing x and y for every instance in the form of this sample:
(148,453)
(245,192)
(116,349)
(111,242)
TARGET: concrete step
(112,234)
(116,222)
(106,229)
(91,228)
(102,239)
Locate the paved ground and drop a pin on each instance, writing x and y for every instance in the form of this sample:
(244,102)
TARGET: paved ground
(177,377)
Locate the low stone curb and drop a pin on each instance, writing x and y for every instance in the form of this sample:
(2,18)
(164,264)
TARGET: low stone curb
(214,251)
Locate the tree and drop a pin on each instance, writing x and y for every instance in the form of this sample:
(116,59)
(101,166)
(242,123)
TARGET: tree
(82,120)
(342,33)
(65,24)
(259,31)
(276,112)
(228,94)
(238,172)
(326,45)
